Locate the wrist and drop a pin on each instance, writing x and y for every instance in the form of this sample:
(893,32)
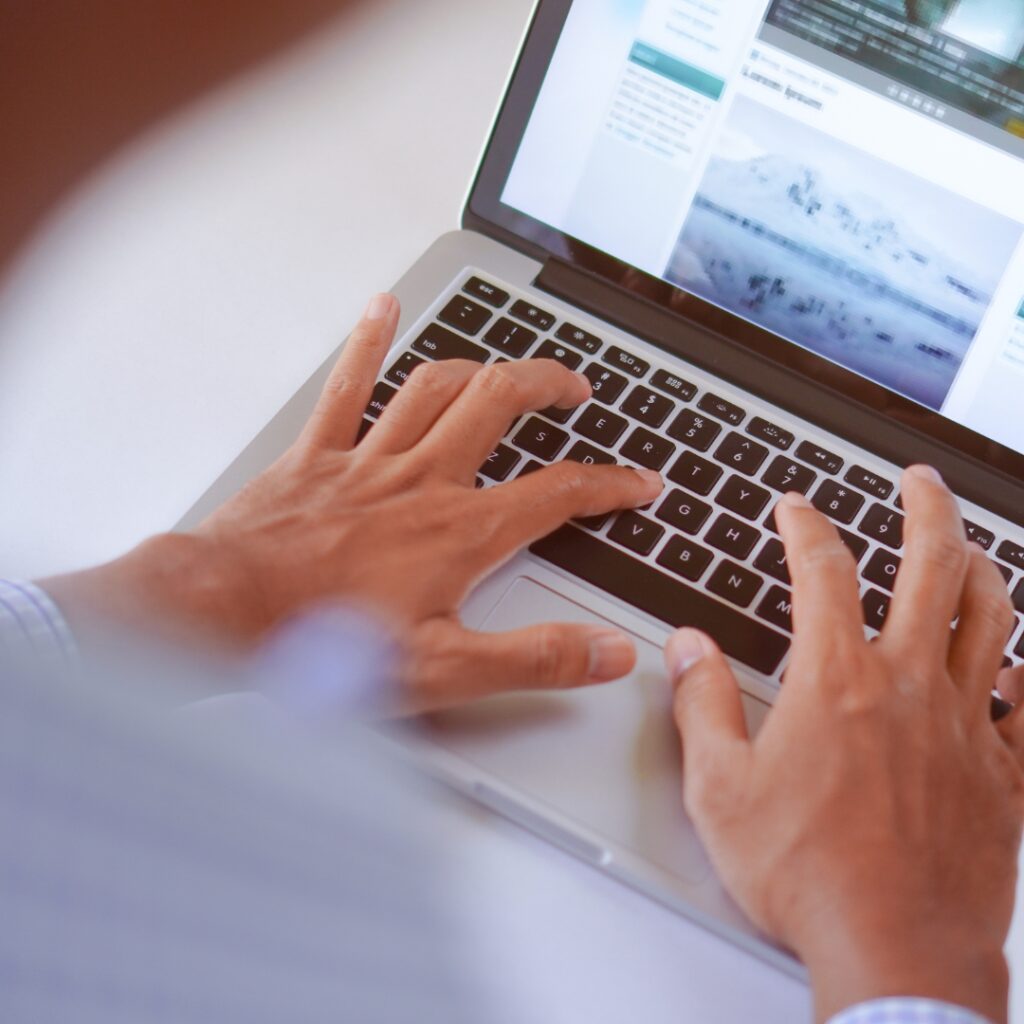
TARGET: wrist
(935,963)
(168,583)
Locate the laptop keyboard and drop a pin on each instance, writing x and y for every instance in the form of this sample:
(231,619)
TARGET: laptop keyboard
(707,552)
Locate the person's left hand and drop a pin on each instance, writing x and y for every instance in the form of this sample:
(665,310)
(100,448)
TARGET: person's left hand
(393,524)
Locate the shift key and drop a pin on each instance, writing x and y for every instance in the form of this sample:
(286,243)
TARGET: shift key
(664,597)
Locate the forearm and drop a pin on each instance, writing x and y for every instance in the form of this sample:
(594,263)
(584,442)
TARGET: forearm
(170,585)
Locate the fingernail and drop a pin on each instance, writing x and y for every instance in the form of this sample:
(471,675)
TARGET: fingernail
(611,655)
(927,473)
(654,482)
(379,307)
(796,500)
(685,648)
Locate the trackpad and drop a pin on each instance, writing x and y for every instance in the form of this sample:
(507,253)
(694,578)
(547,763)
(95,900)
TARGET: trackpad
(605,757)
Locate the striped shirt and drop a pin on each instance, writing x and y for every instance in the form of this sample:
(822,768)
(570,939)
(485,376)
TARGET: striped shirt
(32,627)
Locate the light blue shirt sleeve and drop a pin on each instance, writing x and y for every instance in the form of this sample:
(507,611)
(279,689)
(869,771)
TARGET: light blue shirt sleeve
(31,625)
(907,1011)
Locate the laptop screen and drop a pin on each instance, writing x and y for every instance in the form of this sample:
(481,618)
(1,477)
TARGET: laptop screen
(847,174)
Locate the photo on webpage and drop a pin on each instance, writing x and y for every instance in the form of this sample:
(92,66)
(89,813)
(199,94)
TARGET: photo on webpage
(868,265)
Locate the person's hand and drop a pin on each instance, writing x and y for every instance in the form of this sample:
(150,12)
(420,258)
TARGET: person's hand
(394,524)
(873,824)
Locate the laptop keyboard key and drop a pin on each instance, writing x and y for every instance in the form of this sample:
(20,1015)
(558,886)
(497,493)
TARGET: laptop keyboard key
(532,315)
(541,439)
(882,568)
(722,409)
(685,558)
(588,455)
(838,502)
(465,314)
(594,523)
(607,386)
(1012,554)
(884,525)
(552,412)
(552,350)
(733,537)
(439,343)
(776,607)
(982,537)
(786,475)
(683,511)
(382,394)
(772,560)
(1018,597)
(647,449)
(857,545)
(874,484)
(644,405)
(735,583)
(741,453)
(673,385)
(876,608)
(512,340)
(579,338)
(625,361)
(500,463)
(770,433)
(694,473)
(694,430)
(531,467)
(486,292)
(364,429)
(819,457)
(666,598)
(600,425)
(401,371)
(636,532)
(742,497)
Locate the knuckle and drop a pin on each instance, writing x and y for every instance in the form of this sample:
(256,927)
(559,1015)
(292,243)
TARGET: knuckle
(553,660)
(705,792)
(430,377)
(995,608)
(344,385)
(941,551)
(831,557)
(501,383)
(569,479)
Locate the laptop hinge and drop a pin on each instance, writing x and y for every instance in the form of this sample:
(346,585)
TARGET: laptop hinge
(871,428)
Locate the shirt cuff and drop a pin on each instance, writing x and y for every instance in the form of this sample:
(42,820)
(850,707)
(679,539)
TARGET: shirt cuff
(31,625)
(907,1011)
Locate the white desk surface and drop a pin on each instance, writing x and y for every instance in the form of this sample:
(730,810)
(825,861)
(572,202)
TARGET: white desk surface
(179,300)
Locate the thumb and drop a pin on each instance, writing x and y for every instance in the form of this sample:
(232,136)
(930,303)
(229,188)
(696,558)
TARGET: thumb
(708,708)
(453,665)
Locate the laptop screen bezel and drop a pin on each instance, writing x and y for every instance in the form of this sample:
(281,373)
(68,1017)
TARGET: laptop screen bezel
(485,212)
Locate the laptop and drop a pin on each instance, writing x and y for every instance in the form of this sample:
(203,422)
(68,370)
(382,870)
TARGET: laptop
(784,242)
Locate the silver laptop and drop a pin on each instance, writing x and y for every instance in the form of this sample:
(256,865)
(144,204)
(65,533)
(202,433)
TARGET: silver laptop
(784,242)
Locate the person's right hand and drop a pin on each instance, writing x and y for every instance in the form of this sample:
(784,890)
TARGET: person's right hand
(874,823)
(393,523)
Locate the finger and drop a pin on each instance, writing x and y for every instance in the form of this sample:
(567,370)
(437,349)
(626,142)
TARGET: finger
(533,506)
(470,429)
(708,710)
(931,579)
(1011,729)
(1010,684)
(339,412)
(986,617)
(430,389)
(826,595)
(453,665)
